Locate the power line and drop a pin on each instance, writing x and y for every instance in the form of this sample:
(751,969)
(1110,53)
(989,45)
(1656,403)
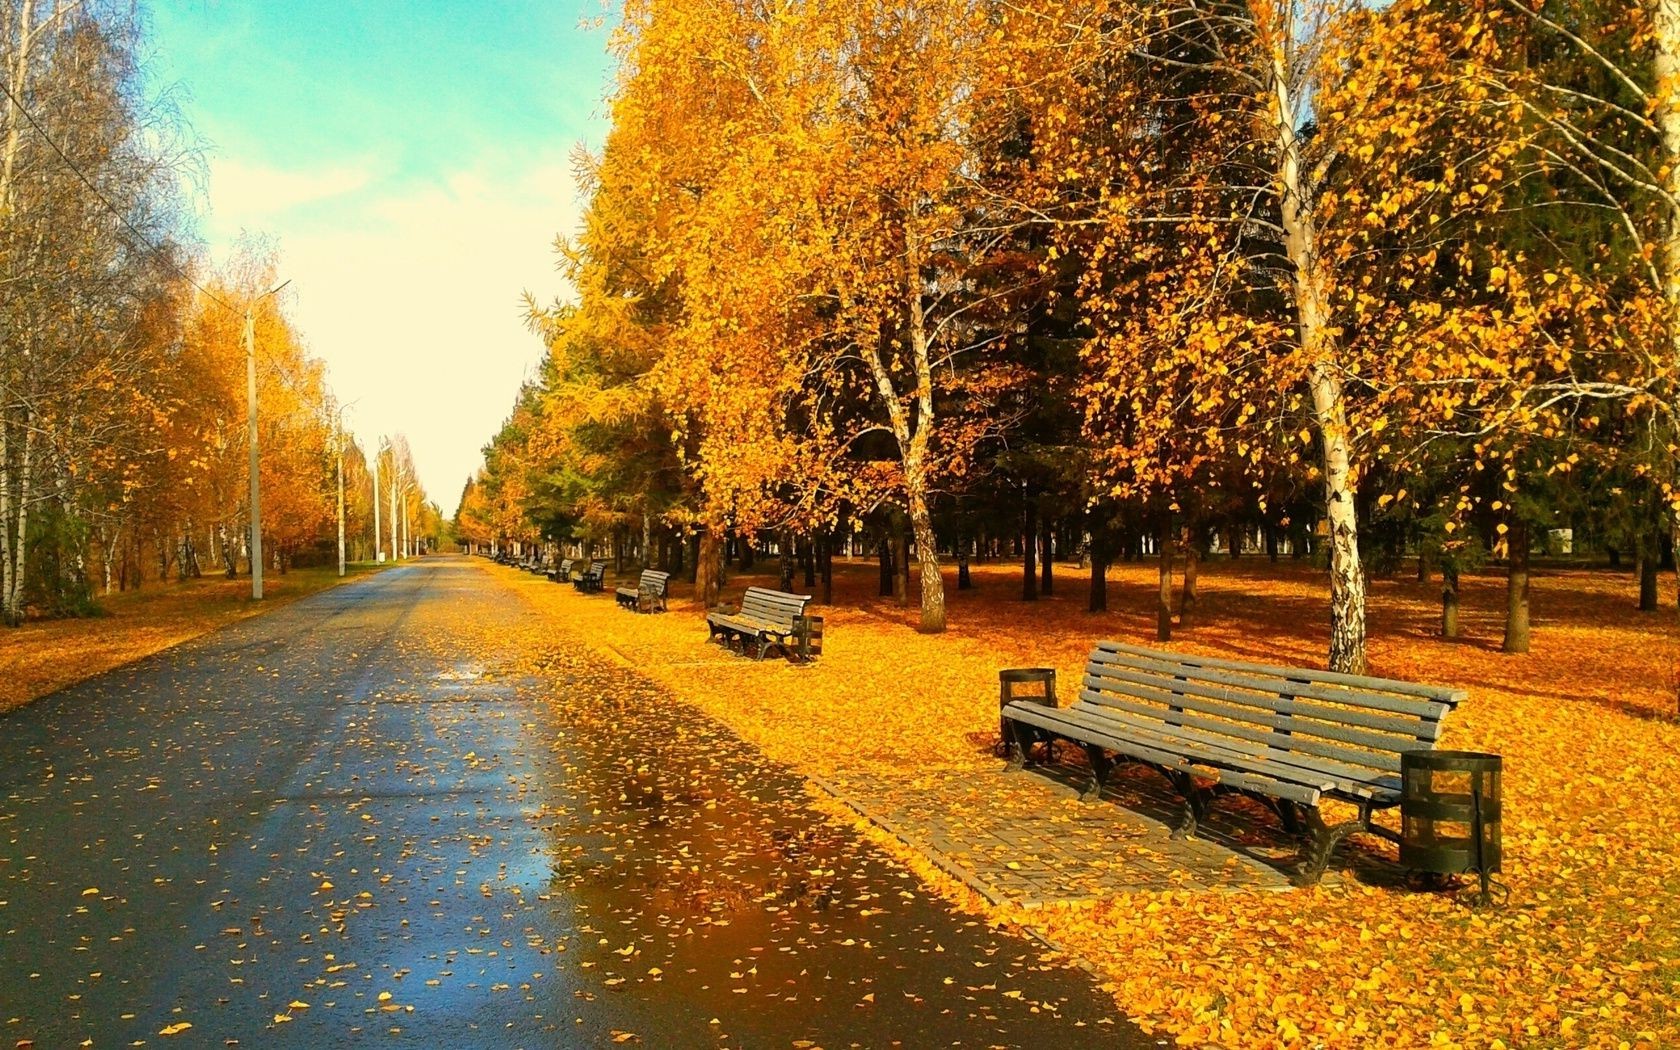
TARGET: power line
(156,249)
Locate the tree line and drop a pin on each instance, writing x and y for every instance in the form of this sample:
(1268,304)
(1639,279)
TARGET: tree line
(1370,280)
(123,412)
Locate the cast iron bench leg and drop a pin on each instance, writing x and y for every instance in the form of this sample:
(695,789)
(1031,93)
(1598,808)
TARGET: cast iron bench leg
(1195,806)
(1325,838)
(1100,766)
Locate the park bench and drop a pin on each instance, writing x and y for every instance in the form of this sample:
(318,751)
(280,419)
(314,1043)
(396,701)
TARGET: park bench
(590,579)
(771,619)
(563,573)
(649,593)
(1287,736)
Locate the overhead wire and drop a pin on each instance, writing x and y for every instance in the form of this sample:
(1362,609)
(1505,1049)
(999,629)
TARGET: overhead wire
(156,249)
(152,246)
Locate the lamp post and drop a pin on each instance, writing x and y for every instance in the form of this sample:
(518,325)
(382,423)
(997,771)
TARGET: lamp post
(338,429)
(251,423)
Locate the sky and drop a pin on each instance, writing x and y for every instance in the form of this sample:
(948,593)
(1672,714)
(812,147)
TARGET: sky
(413,163)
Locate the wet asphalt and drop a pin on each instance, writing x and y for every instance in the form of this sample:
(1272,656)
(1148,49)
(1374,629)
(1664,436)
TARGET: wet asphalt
(412,811)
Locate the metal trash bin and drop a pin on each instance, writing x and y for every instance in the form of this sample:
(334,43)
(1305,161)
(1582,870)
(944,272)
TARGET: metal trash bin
(1450,813)
(1010,683)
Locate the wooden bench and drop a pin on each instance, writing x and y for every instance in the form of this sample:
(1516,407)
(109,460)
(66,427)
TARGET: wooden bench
(590,579)
(1288,736)
(649,593)
(771,619)
(563,572)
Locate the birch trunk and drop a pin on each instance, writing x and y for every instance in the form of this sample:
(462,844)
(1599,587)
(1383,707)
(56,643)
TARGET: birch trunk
(1319,350)
(1665,32)
(912,424)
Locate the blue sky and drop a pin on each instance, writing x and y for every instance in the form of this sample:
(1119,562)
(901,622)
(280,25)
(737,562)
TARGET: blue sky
(413,161)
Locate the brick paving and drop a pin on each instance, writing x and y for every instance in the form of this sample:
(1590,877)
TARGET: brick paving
(1026,839)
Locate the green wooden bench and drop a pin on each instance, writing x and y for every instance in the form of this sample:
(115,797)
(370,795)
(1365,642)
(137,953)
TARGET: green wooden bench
(1288,736)
(590,579)
(649,593)
(769,619)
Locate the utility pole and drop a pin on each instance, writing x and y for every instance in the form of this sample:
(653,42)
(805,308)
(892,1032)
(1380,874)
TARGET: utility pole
(378,550)
(396,482)
(251,425)
(339,430)
(341,501)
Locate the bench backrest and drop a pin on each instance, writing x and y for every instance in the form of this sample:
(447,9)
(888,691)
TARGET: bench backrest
(1353,726)
(654,582)
(566,565)
(596,568)
(776,606)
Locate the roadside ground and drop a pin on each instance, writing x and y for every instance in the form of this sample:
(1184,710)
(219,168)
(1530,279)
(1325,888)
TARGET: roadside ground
(902,726)
(46,655)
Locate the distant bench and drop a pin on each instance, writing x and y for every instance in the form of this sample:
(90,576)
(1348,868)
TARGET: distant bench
(770,619)
(1287,736)
(649,593)
(563,572)
(590,579)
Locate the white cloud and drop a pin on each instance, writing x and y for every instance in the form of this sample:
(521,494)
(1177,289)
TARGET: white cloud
(249,195)
(411,293)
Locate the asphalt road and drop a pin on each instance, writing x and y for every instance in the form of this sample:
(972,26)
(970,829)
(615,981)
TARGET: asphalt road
(411,812)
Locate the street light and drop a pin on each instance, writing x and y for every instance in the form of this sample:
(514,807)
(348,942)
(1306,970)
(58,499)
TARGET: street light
(251,406)
(338,429)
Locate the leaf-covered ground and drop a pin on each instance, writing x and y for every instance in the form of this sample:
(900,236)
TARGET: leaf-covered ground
(1587,953)
(44,655)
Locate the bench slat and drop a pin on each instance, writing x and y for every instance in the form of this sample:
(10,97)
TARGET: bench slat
(1387,761)
(1277,687)
(1357,779)
(1165,754)
(1414,728)
(1440,694)
(1277,715)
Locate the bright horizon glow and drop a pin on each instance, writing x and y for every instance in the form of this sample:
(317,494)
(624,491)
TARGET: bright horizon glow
(412,165)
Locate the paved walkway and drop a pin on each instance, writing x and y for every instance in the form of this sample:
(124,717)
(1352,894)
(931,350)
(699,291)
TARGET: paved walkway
(1026,838)
(413,812)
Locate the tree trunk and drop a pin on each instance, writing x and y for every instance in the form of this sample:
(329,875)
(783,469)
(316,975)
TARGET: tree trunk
(825,583)
(1319,350)
(901,563)
(784,557)
(1516,588)
(1099,576)
(883,554)
(709,568)
(1187,595)
(808,560)
(1029,548)
(927,556)
(1648,563)
(1047,554)
(691,571)
(1163,597)
(1449,600)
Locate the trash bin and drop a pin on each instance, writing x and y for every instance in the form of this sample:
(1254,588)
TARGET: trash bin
(1037,684)
(1450,818)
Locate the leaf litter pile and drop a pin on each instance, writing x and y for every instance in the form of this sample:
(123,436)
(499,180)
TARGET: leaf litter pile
(1586,953)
